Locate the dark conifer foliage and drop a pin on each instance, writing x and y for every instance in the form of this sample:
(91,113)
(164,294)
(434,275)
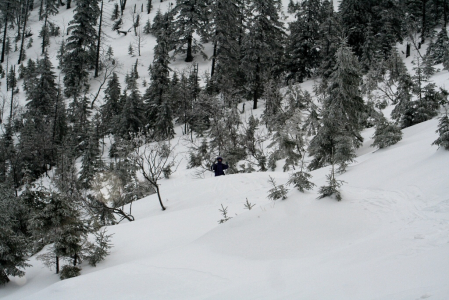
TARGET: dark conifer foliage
(263,45)
(191,19)
(80,47)
(339,134)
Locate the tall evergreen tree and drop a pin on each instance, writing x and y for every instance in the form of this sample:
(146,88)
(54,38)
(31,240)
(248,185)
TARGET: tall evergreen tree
(80,47)
(112,106)
(224,31)
(263,48)
(159,112)
(13,246)
(303,51)
(342,111)
(132,116)
(355,15)
(191,19)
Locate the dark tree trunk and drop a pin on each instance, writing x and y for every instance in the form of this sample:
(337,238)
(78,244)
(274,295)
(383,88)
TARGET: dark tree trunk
(23,33)
(189,57)
(97,59)
(41,9)
(149,6)
(424,28)
(213,60)
(57,264)
(69,2)
(256,84)
(445,12)
(122,6)
(4,35)
(44,34)
(12,96)
(159,196)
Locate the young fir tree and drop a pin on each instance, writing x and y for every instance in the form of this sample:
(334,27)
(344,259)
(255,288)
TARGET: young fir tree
(90,163)
(80,48)
(112,106)
(13,246)
(159,112)
(277,191)
(147,27)
(333,185)
(386,134)
(132,117)
(443,132)
(301,179)
(342,108)
(263,49)
(58,221)
(438,50)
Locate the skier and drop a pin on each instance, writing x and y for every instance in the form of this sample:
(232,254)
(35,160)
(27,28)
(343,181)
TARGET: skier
(219,167)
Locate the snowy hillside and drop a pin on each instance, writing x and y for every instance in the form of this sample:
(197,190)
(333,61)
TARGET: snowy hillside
(388,239)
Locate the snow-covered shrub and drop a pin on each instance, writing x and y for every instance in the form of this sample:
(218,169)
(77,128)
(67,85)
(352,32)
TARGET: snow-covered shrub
(278,191)
(69,272)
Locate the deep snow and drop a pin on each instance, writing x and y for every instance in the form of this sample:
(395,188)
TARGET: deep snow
(387,239)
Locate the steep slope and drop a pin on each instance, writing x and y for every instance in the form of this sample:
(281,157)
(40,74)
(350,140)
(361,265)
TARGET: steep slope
(387,239)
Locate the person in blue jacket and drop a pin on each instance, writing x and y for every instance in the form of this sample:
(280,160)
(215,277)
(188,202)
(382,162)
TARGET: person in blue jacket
(219,167)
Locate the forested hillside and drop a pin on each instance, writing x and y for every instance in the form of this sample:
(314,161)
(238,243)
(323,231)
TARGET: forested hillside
(112,113)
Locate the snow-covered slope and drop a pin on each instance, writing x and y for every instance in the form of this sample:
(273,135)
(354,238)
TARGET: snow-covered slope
(387,239)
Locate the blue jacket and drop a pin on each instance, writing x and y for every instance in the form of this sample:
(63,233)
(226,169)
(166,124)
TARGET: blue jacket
(219,168)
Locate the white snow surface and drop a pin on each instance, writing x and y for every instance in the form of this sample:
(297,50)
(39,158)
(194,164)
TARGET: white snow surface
(388,238)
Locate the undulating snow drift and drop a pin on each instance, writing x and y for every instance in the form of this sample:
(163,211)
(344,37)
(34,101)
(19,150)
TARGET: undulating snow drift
(387,239)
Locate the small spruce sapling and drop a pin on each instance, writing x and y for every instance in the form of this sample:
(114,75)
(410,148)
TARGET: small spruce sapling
(224,213)
(248,205)
(100,250)
(332,187)
(278,191)
(300,179)
(69,271)
(386,134)
(443,131)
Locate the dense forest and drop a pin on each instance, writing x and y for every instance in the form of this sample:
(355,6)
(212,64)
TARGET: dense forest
(257,56)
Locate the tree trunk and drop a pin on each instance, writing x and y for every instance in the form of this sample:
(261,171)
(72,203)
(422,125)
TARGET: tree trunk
(44,34)
(12,95)
(68,3)
(122,6)
(97,59)
(189,57)
(159,196)
(23,33)
(445,12)
(214,59)
(57,264)
(256,84)
(149,6)
(4,35)
(424,29)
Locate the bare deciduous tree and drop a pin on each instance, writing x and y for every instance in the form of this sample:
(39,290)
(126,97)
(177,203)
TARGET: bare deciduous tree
(154,160)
